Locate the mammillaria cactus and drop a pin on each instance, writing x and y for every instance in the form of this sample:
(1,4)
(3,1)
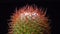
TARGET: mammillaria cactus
(29,20)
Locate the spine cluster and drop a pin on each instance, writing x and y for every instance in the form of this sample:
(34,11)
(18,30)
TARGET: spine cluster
(29,20)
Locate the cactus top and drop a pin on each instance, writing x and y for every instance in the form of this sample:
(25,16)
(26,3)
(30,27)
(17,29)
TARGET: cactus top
(29,20)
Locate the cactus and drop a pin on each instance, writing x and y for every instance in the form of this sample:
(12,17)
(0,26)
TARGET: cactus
(29,20)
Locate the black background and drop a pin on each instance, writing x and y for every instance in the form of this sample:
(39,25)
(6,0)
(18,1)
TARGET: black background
(8,7)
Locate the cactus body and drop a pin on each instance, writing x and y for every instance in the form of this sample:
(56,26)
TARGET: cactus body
(29,20)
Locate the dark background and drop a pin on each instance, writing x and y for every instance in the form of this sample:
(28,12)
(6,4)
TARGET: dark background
(8,7)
